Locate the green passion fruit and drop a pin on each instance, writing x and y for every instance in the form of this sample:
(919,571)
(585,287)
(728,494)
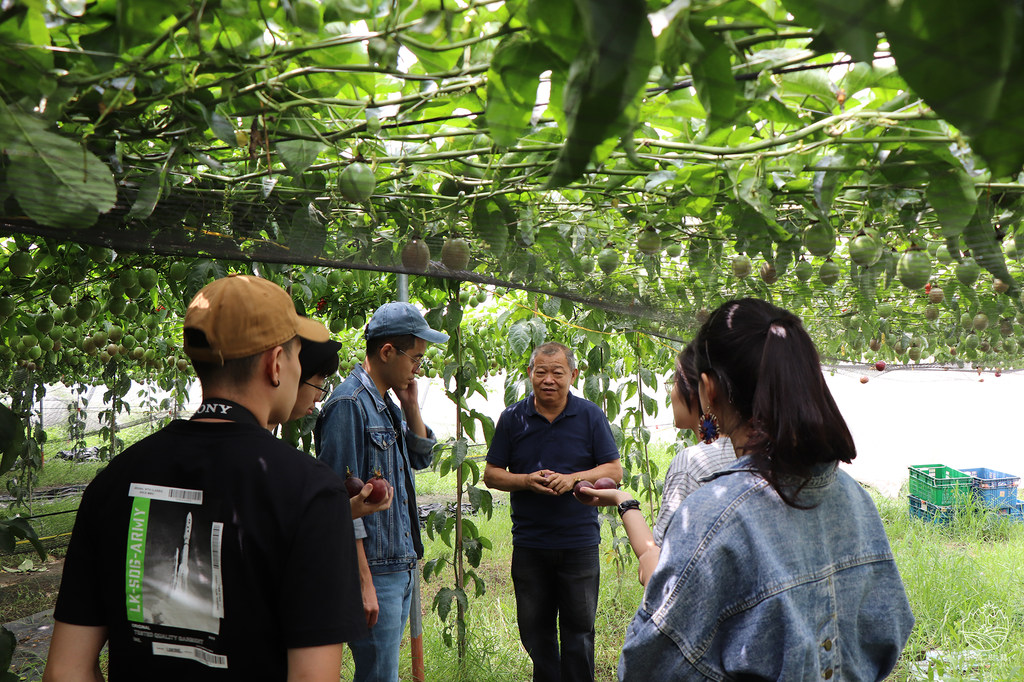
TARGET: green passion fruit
(914,269)
(357,182)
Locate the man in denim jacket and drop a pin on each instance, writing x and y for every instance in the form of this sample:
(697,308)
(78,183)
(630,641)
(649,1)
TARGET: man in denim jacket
(361,429)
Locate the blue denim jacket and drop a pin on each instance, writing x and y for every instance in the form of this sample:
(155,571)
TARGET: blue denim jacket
(748,588)
(356,431)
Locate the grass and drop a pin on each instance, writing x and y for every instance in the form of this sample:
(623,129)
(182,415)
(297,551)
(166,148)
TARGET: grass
(965,582)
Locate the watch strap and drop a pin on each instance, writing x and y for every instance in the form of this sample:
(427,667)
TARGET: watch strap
(627,505)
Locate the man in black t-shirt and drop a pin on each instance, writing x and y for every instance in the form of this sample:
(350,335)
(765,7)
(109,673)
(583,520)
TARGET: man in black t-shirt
(211,550)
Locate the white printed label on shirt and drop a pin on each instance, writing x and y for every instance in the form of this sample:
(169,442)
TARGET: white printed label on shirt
(174,554)
(192,653)
(159,492)
(218,586)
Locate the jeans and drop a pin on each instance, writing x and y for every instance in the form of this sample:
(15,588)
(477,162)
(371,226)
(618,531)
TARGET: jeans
(557,584)
(376,656)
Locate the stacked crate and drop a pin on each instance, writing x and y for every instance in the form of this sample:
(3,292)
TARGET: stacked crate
(934,489)
(995,489)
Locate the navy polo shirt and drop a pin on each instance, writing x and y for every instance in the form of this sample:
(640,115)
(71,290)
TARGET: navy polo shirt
(577,440)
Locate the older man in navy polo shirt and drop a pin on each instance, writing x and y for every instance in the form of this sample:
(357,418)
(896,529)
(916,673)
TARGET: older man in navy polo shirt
(542,445)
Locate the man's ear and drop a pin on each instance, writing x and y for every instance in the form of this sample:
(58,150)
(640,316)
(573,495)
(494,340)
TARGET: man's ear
(272,365)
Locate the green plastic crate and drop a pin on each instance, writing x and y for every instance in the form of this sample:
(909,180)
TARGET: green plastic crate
(939,484)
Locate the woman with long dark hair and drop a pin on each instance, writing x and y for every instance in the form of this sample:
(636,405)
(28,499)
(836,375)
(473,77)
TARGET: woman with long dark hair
(778,568)
(712,453)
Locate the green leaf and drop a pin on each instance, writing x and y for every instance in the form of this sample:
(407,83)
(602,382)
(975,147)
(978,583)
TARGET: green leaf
(711,65)
(12,438)
(8,642)
(443,602)
(512,86)
(511,391)
(19,527)
(519,337)
(305,233)
(298,155)
(825,183)
(965,59)
(480,588)
(774,110)
(222,128)
(814,82)
(60,184)
(148,196)
(459,452)
(538,331)
(853,25)
(604,79)
(559,25)
(980,238)
(953,198)
(481,500)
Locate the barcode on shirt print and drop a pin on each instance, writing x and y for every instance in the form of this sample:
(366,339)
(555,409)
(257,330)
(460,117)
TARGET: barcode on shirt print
(207,658)
(166,493)
(181,495)
(216,535)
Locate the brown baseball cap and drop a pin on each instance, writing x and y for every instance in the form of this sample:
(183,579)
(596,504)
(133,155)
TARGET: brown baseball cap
(242,316)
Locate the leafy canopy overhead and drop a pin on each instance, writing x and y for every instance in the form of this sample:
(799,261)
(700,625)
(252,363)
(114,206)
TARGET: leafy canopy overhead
(649,158)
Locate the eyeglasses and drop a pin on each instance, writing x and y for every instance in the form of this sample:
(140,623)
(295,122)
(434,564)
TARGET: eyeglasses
(323,391)
(421,361)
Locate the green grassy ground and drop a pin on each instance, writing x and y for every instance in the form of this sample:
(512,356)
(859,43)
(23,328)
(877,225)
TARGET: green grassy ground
(965,582)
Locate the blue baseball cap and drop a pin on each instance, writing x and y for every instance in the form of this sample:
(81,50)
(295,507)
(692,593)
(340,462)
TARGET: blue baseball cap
(399,319)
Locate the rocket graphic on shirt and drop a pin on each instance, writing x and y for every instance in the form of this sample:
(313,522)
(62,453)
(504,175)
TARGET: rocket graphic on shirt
(173,577)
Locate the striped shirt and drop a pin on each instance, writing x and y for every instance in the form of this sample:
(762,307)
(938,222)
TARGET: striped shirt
(684,474)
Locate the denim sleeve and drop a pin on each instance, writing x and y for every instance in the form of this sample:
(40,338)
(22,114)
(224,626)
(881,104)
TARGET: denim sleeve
(341,443)
(650,656)
(421,450)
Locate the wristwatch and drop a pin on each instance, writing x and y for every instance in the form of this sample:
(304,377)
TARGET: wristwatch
(627,505)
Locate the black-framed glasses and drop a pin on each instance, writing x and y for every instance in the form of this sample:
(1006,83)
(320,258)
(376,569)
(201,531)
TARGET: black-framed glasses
(323,391)
(417,363)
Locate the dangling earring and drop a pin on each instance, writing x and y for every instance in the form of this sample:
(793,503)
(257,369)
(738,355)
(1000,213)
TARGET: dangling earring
(708,428)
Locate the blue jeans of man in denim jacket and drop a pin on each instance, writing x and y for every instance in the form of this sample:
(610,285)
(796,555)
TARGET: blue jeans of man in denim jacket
(357,431)
(750,588)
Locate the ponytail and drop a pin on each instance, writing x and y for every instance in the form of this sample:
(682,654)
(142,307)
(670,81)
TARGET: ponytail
(772,375)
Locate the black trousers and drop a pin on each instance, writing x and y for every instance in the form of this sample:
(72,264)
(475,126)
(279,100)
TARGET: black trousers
(556,603)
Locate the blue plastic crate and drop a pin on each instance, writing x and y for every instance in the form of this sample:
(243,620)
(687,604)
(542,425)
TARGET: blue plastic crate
(994,488)
(927,511)
(1017,512)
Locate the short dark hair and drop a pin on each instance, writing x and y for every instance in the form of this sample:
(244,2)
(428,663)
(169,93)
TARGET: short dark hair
(325,369)
(233,372)
(553,348)
(686,378)
(402,343)
(768,370)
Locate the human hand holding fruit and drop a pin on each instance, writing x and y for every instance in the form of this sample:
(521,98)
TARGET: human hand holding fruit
(368,498)
(538,482)
(561,483)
